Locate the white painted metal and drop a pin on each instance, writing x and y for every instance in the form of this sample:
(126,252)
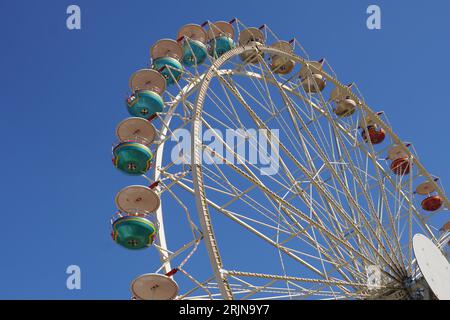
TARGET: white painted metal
(433,265)
(343,229)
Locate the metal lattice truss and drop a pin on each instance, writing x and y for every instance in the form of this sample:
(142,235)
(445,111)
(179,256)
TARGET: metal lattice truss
(332,213)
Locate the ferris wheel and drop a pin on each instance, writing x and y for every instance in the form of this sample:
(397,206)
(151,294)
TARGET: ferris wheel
(263,176)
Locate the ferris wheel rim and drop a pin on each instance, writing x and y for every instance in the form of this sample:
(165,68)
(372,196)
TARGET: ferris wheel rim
(336,198)
(224,72)
(193,87)
(202,206)
(229,72)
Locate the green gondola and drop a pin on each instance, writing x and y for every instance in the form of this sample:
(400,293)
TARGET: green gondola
(144,104)
(169,67)
(132,157)
(220,45)
(133,232)
(194,53)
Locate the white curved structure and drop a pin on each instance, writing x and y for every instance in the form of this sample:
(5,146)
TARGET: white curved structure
(336,221)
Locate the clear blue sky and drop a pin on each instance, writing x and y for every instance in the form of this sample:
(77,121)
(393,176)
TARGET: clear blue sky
(62,95)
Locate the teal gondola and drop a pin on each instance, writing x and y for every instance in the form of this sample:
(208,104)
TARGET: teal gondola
(169,67)
(144,104)
(194,53)
(132,157)
(220,38)
(133,231)
(193,38)
(166,56)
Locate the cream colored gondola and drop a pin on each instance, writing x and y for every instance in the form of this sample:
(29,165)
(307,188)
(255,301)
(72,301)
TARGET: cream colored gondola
(254,37)
(345,106)
(312,81)
(279,63)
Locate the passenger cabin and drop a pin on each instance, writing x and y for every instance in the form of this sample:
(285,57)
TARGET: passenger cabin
(220,37)
(193,40)
(166,56)
(311,79)
(133,227)
(345,106)
(371,131)
(147,87)
(254,37)
(280,64)
(401,164)
(432,201)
